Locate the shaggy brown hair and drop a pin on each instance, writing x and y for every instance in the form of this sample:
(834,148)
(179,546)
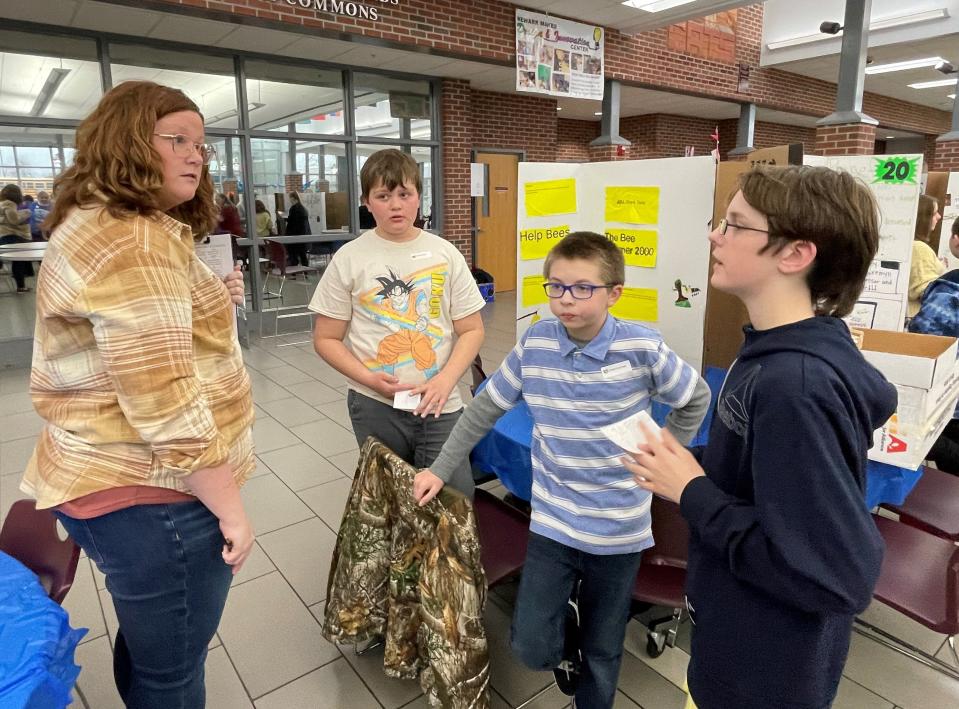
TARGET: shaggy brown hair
(828,208)
(115,157)
(391,168)
(590,246)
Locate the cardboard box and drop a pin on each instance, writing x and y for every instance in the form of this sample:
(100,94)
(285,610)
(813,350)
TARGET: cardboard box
(910,359)
(907,446)
(923,370)
(918,405)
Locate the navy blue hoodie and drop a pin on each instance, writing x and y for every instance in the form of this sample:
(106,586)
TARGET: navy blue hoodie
(783,552)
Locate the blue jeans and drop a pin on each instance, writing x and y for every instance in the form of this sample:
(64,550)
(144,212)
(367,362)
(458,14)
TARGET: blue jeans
(169,584)
(549,576)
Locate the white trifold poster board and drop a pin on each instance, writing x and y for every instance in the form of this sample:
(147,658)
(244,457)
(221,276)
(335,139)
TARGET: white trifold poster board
(894,180)
(656,211)
(950,212)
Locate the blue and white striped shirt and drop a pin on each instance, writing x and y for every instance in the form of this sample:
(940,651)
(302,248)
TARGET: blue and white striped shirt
(583,497)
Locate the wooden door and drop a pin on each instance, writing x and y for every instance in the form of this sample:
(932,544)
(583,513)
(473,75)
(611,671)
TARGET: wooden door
(496,233)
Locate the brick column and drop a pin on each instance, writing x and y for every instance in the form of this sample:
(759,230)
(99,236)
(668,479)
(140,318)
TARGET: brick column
(605,153)
(457,140)
(947,155)
(846,139)
(293,182)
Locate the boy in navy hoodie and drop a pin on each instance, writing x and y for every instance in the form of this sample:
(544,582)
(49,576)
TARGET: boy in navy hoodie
(783,552)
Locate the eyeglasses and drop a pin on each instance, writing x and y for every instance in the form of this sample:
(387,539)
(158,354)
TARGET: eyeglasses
(580,291)
(184,147)
(724,225)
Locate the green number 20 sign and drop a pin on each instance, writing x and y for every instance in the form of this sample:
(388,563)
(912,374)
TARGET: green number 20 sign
(896,171)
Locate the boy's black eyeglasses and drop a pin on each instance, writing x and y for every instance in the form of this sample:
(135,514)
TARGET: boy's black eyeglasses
(724,224)
(184,147)
(580,291)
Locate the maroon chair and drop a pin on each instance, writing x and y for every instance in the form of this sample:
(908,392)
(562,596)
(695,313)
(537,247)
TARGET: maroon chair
(30,536)
(276,266)
(503,533)
(920,579)
(933,505)
(661,580)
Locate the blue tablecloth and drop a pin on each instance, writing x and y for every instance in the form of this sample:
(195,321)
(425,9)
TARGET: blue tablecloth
(37,670)
(504,451)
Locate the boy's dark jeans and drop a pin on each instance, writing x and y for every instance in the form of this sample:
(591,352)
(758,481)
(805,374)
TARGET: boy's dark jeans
(169,585)
(415,439)
(549,574)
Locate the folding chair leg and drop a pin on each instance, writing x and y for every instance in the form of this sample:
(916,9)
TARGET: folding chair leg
(868,630)
(951,640)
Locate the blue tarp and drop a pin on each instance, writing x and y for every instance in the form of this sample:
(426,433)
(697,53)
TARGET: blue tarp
(37,670)
(504,451)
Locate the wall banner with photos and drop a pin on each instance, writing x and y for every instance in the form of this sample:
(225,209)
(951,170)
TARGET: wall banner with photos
(558,57)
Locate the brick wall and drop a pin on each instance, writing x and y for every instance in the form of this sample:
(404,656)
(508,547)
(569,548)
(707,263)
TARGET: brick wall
(771,135)
(485,29)
(947,156)
(573,138)
(515,121)
(641,132)
(457,140)
(855,139)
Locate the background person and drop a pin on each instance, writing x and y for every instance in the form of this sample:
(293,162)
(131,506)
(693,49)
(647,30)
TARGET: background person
(925,266)
(15,229)
(297,224)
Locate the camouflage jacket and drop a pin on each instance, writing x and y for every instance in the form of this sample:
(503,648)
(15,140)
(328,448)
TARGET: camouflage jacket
(411,574)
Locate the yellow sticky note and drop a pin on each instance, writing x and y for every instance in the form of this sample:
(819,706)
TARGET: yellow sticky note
(536,243)
(637,304)
(533,293)
(639,246)
(550,197)
(632,205)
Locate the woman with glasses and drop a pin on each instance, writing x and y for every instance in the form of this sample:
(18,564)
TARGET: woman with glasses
(138,373)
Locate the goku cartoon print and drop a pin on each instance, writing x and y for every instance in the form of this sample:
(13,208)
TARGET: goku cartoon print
(409,306)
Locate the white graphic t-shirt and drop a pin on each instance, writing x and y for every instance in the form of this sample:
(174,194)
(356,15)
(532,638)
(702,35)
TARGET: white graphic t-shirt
(401,300)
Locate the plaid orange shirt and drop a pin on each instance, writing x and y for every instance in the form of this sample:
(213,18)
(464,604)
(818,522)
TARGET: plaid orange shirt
(136,364)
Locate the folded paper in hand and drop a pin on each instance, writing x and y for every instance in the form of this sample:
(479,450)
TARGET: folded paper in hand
(406,401)
(627,434)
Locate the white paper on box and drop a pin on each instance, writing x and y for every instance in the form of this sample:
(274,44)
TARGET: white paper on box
(216,251)
(406,401)
(627,434)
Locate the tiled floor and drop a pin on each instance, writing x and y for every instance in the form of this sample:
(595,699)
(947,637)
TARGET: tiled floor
(269,653)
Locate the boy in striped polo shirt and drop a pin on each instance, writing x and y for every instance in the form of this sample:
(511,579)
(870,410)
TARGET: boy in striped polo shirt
(590,520)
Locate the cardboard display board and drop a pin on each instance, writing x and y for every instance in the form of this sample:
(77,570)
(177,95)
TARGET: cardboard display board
(725,314)
(657,211)
(894,180)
